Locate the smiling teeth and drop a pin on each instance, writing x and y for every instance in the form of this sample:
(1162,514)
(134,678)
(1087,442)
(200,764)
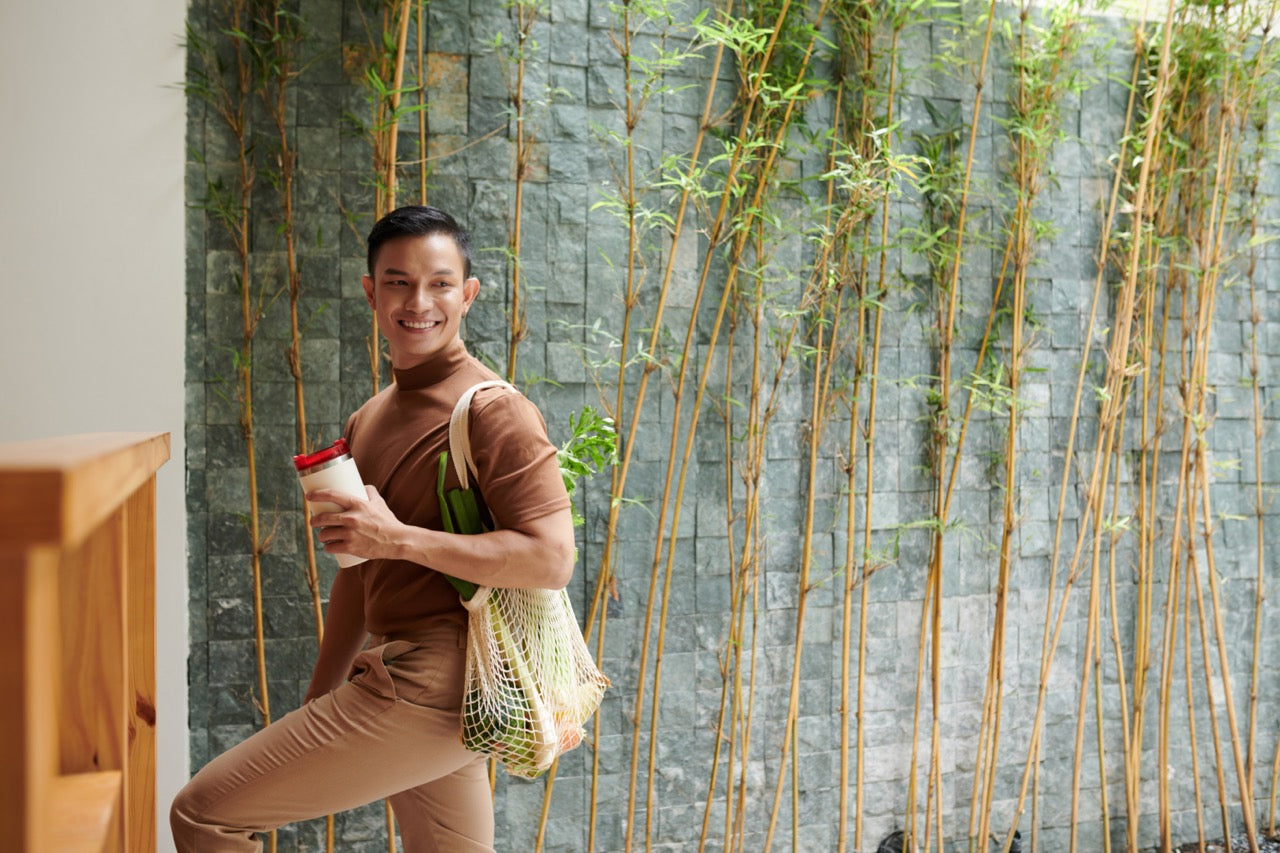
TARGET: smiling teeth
(413,325)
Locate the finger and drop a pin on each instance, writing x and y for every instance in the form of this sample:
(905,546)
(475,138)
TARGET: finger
(326,519)
(331,538)
(330,496)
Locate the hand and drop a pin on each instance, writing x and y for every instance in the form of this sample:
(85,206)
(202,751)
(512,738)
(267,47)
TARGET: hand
(364,528)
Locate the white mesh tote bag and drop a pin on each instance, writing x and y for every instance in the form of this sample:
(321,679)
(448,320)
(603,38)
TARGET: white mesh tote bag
(530,683)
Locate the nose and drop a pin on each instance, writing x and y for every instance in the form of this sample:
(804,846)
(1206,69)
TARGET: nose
(419,298)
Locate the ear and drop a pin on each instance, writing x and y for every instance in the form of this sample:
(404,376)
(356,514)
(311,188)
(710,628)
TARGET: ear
(470,289)
(367,281)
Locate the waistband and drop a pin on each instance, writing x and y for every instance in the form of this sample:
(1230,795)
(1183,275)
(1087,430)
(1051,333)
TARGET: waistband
(438,626)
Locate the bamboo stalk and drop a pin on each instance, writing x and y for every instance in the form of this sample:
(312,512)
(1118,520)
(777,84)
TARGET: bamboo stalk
(747,575)
(384,130)
(250,314)
(1147,496)
(605,582)
(1119,347)
(1049,639)
(1236,136)
(1255,319)
(605,579)
(1101,746)
(714,236)
(282,39)
(1210,240)
(1037,117)
(818,414)
(761,180)
(1193,579)
(931,609)
(526,14)
(1139,353)
(1187,487)
(420,9)
(869,455)
(1177,569)
(857,29)
(850,489)
(1255,394)
(1206,303)
(235,212)
(731,680)
(387,138)
(1151,433)
(1108,438)
(1191,721)
(1130,756)
(391,133)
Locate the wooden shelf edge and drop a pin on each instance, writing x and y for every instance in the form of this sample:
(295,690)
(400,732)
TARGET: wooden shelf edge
(85,811)
(54,491)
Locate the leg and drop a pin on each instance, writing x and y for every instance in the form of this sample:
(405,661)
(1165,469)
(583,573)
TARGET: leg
(453,814)
(360,743)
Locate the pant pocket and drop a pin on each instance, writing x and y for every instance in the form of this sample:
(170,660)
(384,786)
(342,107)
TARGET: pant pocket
(431,674)
(370,671)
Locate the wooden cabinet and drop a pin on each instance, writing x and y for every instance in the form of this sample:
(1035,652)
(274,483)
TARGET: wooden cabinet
(77,634)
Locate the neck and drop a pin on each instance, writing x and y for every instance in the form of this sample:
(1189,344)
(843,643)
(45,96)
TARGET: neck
(437,367)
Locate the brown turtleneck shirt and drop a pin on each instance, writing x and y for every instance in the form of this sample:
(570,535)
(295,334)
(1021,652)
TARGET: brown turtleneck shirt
(396,440)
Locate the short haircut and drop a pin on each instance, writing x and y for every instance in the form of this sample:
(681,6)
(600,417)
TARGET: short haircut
(417,220)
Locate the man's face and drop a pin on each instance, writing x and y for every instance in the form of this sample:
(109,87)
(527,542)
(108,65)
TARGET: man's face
(419,296)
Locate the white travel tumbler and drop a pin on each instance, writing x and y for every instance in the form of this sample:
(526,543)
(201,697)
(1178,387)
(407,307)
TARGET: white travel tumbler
(331,468)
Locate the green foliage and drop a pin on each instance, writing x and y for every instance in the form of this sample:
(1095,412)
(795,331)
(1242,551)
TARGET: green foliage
(592,446)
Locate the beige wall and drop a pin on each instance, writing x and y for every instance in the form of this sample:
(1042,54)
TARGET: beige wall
(91,255)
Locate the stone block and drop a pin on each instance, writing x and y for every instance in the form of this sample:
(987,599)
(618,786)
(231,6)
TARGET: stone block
(567,161)
(606,87)
(448,27)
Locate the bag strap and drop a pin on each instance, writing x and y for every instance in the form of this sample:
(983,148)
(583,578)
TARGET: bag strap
(460,430)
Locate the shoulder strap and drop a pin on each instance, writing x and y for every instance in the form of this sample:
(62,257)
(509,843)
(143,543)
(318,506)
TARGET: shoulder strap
(460,432)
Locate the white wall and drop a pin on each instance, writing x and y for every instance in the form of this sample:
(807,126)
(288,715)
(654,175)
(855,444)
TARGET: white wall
(92,264)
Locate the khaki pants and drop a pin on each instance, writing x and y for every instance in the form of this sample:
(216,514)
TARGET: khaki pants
(390,732)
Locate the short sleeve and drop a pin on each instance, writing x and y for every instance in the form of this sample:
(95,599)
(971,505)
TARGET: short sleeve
(516,467)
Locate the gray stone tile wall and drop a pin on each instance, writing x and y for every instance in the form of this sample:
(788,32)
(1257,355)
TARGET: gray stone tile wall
(572,260)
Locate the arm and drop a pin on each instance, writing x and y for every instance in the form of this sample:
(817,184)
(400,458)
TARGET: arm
(538,553)
(344,634)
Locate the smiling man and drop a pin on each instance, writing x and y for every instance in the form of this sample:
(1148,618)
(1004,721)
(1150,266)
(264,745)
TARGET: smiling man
(382,714)
(419,288)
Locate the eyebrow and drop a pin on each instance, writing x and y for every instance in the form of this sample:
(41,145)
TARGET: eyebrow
(392,271)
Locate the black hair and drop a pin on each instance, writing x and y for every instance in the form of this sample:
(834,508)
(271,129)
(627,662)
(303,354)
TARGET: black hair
(417,220)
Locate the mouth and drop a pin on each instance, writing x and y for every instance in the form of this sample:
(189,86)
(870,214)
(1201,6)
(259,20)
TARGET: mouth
(418,325)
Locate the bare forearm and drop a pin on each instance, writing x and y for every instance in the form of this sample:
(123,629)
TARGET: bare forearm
(509,558)
(538,553)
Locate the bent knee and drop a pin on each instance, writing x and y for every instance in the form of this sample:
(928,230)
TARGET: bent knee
(196,827)
(181,807)
(186,815)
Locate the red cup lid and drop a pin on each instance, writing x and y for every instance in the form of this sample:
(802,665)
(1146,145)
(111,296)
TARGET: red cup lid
(303,461)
